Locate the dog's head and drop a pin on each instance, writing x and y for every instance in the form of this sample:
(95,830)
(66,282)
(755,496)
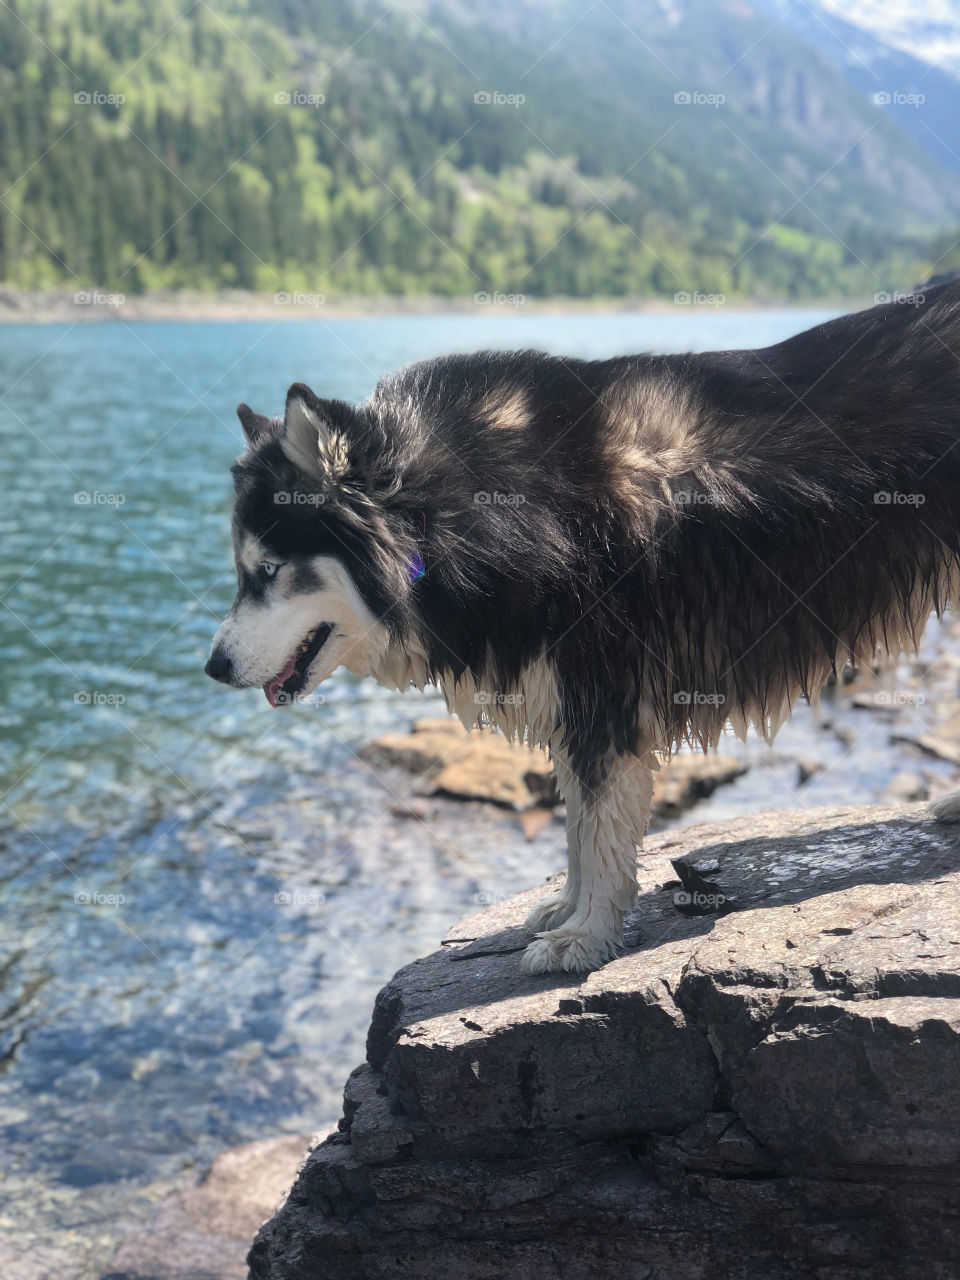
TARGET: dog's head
(320,571)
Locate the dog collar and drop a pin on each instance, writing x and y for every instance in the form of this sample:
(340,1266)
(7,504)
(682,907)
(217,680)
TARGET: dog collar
(415,566)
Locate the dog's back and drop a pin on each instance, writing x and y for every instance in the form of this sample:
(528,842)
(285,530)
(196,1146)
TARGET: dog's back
(692,538)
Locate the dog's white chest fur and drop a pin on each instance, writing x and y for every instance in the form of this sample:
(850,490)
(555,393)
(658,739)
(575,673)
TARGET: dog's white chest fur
(526,711)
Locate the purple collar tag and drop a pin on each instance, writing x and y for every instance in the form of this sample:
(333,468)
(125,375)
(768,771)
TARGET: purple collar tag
(415,566)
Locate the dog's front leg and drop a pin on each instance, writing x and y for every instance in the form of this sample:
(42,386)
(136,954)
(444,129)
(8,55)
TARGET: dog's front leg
(556,907)
(579,928)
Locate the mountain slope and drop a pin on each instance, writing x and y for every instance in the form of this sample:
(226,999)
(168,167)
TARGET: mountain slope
(922,98)
(338,147)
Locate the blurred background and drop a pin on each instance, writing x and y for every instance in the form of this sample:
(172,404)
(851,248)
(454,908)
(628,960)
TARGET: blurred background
(201,203)
(780,149)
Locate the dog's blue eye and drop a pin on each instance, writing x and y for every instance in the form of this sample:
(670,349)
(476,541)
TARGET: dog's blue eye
(268,568)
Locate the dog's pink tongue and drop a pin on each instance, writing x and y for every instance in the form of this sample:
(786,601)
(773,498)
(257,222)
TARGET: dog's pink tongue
(272,687)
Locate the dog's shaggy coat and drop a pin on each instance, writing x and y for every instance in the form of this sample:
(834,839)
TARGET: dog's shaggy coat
(614,557)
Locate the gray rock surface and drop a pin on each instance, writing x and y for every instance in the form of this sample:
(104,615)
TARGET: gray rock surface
(767,1092)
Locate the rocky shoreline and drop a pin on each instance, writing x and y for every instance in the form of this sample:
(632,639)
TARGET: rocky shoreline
(21,306)
(768,1091)
(440,772)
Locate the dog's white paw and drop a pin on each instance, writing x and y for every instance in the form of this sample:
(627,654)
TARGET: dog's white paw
(569,950)
(947,808)
(549,912)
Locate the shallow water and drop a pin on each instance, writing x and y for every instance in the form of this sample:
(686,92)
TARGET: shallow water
(201,896)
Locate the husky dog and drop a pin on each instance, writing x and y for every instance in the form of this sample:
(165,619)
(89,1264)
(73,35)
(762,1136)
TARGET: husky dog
(607,557)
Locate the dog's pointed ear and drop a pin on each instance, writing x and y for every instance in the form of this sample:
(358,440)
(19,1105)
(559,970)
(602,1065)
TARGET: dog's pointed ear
(311,440)
(255,426)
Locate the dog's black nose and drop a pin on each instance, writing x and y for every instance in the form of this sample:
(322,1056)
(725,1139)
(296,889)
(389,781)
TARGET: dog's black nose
(219,666)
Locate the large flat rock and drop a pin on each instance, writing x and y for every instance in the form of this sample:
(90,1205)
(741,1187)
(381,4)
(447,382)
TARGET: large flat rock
(771,1090)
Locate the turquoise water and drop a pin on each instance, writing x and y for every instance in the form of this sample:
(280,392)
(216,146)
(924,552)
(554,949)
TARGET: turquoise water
(160,997)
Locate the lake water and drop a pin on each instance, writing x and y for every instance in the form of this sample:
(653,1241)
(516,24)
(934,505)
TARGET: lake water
(202,896)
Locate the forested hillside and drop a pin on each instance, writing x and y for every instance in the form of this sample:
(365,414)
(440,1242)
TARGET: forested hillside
(347,147)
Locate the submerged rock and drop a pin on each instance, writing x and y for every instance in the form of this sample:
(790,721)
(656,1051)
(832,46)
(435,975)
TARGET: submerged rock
(201,1233)
(774,1091)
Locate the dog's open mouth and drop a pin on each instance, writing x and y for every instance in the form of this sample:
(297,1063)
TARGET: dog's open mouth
(285,686)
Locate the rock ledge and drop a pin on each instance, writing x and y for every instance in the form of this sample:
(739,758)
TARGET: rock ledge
(770,1092)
